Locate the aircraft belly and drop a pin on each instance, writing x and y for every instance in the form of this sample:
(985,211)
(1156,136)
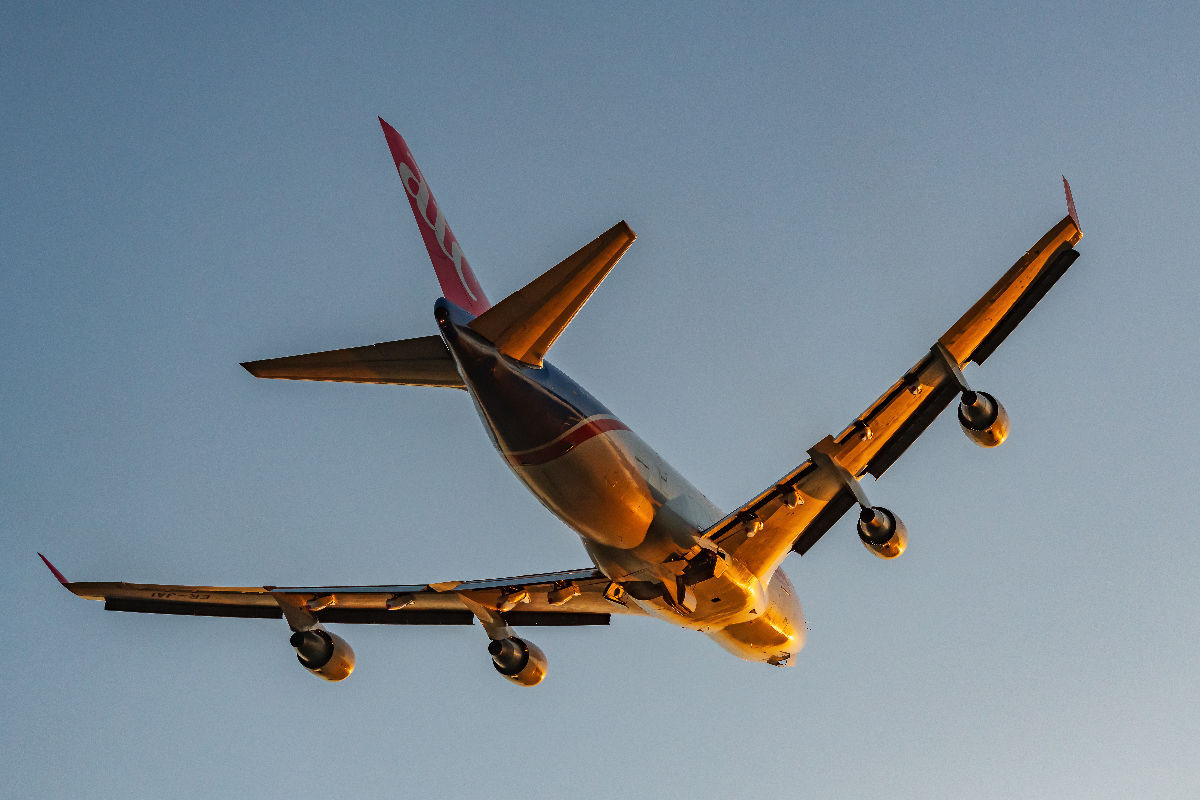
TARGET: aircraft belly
(600,489)
(734,596)
(775,635)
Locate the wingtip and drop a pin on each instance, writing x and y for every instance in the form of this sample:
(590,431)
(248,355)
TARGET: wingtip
(54,570)
(1070,202)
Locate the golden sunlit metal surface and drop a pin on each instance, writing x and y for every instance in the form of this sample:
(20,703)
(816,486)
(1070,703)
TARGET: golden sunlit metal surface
(520,661)
(324,654)
(776,635)
(983,419)
(882,532)
(658,546)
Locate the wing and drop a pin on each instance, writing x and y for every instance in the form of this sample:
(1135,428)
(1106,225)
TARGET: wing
(575,597)
(801,506)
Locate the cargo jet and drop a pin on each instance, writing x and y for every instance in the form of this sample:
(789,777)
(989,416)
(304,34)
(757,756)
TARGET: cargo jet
(657,546)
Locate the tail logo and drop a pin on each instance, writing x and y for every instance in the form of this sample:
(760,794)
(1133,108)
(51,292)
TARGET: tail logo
(418,190)
(453,272)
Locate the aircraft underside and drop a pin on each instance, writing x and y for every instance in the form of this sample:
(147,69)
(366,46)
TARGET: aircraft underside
(639,519)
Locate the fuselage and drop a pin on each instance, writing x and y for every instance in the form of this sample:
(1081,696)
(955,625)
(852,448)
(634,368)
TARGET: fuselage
(640,520)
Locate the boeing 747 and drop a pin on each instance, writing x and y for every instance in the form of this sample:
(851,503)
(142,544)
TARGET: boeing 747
(656,545)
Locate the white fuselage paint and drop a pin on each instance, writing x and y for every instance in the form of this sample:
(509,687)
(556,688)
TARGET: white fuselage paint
(639,519)
(418,190)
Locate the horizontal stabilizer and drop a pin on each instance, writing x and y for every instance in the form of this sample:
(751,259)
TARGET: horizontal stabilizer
(423,361)
(525,324)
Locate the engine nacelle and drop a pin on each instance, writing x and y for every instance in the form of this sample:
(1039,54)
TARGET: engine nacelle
(520,661)
(324,654)
(882,532)
(982,418)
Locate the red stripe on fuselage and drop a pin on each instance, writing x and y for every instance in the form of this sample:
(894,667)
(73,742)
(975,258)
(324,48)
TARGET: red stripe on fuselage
(563,444)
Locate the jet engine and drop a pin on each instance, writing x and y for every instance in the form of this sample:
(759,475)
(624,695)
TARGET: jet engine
(324,654)
(982,418)
(882,532)
(518,660)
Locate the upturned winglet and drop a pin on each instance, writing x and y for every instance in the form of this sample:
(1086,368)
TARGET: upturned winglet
(53,570)
(1071,204)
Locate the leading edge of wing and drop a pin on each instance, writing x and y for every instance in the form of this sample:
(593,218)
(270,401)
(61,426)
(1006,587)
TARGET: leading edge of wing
(520,600)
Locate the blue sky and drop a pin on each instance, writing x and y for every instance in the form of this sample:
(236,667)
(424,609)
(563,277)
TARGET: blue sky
(818,194)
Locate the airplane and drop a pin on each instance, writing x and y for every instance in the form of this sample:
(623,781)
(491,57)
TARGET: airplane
(658,547)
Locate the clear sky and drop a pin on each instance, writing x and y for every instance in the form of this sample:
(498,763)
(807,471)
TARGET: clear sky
(818,194)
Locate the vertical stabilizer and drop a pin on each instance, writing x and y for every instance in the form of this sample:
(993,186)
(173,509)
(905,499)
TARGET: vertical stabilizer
(453,272)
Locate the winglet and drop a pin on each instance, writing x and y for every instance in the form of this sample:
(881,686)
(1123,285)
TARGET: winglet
(54,570)
(1070,203)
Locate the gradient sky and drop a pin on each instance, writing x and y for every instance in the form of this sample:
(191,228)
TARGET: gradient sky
(818,195)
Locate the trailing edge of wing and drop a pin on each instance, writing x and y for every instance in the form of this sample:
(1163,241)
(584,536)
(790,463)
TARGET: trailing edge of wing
(525,324)
(423,361)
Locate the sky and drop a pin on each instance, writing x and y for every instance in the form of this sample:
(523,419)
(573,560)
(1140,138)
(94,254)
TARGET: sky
(819,193)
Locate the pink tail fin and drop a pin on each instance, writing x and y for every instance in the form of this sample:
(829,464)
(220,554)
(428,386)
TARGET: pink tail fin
(454,273)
